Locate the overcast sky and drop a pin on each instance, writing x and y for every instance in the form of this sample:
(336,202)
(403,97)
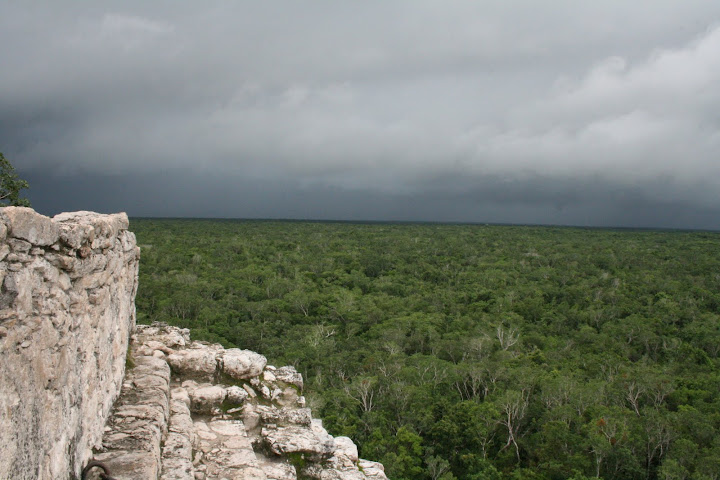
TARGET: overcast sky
(563,112)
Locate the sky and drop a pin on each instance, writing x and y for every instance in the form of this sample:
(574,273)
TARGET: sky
(561,112)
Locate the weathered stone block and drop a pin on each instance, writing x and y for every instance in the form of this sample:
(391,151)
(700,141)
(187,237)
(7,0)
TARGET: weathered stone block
(26,224)
(242,364)
(199,363)
(205,399)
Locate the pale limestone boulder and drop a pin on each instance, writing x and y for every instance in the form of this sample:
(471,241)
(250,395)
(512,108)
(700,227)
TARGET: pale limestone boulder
(289,375)
(203,432)
(178,445)
(105,227)
(330,473)
(251,393)
(205,399)
(171,337)
(316,444)
(199,363)
(228,428)
(242,364)
(346,451)
(174,339)
(236,395)
(76,235)
(130,464)
(26,224)
(275,394)
(250,417)
(279,471)
(180,394)
(154,345)
(372,470)
(284,416)
(180,418)
(265,392)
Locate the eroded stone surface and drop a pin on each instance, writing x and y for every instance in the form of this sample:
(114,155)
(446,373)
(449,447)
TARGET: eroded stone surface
(295,439)
(242,364)
(289,375)
(139,421)
(66,312)
(207,398)
(257,429)
(199,363)
(177,451)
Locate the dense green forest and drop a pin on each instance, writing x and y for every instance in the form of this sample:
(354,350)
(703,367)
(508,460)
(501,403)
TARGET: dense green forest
(468,351)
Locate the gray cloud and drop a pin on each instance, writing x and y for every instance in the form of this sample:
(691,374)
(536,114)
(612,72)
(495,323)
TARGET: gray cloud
(460,110)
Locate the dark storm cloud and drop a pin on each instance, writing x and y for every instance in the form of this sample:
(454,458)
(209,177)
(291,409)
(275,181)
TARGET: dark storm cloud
(480,111)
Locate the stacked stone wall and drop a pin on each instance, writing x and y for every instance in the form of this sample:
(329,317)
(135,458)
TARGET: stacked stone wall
(67,290)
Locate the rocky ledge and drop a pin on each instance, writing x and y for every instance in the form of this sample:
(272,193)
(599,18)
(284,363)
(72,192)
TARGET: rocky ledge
(192,410)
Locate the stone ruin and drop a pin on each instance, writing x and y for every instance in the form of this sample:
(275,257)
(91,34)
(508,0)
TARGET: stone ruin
(81,383)
(192,410)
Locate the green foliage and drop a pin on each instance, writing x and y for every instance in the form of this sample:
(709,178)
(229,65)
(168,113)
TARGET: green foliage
(467,351)
(10,185)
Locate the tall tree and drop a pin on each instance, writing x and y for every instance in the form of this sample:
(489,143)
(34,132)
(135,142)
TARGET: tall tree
(10,185)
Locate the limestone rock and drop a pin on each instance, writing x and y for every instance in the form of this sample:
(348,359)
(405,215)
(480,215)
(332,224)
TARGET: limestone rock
(289,375)
(236,395)
(320,473)
(278,471)
(242,364)
(171,337)
(199,363)
(284,416)
(294,439)
(372,470)
(177,450)
(205,399)
(24,223)
(345,449)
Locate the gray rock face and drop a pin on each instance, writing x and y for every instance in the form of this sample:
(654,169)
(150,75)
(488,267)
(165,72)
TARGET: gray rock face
(66,311)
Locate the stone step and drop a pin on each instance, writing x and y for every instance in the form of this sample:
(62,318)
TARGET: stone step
(177,452)
(137,426)
(225,451)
